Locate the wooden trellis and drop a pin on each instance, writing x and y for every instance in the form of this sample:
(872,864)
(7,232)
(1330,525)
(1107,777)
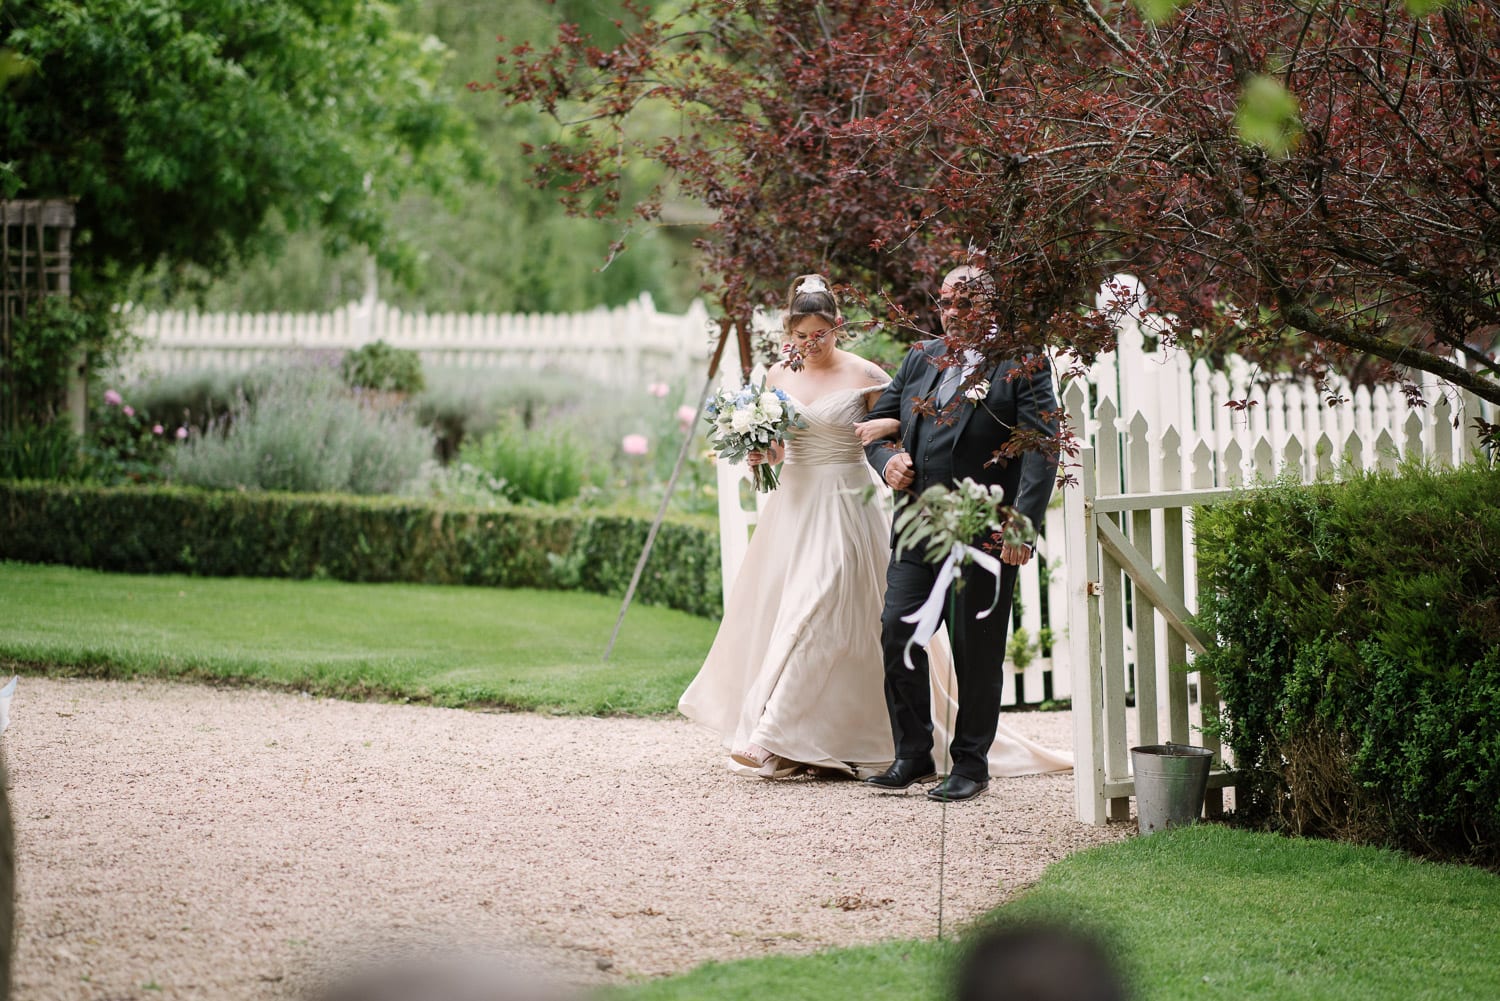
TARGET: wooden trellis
(35,261)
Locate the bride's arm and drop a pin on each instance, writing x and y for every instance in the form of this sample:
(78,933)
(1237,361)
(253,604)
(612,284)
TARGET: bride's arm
(875,374)
(870,430)
(876,429)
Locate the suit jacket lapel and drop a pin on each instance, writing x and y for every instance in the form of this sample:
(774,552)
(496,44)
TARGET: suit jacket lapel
(924,387)
(966,407)
(933,377)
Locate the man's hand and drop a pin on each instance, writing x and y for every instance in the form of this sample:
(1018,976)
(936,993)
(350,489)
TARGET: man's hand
(1015,555)
(898,473)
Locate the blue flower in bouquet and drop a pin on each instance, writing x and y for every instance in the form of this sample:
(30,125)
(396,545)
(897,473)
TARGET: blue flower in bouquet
(751,419)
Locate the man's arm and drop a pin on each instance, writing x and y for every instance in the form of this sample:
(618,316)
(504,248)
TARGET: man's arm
(1035,404)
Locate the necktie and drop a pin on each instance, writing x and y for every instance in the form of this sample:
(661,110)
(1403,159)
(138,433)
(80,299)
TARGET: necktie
(952,376)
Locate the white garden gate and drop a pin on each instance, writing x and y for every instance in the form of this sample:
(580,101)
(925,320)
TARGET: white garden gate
(1129,566)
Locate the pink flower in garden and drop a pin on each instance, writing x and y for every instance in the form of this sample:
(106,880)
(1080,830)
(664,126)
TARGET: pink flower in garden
(157,429)
(113,398)
(634,444)
(658,389)
(687,414)
(181,433)
(129,411)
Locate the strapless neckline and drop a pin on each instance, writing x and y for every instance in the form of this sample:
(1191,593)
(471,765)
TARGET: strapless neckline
(834,392)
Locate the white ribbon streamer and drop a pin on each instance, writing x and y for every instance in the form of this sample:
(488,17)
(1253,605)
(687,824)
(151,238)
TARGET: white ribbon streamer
(931,613)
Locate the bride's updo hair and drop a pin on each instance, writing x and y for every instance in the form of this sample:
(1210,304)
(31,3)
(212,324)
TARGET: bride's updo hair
(811,295)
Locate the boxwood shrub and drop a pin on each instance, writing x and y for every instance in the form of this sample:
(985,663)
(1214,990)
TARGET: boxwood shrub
(233,533)
(1359,656)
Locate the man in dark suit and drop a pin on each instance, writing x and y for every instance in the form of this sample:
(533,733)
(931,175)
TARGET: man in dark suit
(972,422)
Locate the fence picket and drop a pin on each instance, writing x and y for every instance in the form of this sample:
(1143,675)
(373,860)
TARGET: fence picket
(1143,619)
(1264,460)
(1442,431)
(1364,426)
(1057,602)
(1354,452)
(1386,454)
(1292,456)
(1324,450)
(1234,474)
(1413,428)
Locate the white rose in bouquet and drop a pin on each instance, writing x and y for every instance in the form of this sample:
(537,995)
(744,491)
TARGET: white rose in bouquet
(751,418)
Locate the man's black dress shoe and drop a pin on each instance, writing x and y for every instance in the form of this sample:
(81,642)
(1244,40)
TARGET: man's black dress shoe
(955,788)
(903,772)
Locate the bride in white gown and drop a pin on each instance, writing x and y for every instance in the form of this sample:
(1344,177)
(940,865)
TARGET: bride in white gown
(795,679)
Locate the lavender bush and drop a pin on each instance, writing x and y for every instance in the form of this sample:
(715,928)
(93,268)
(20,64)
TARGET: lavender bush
(304,431)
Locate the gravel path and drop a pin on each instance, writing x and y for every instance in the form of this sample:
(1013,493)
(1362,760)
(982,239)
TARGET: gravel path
(180,841)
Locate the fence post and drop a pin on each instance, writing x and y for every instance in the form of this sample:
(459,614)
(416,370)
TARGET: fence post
(1081,558)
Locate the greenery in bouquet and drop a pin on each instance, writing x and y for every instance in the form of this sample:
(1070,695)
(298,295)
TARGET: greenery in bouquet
(944,520)
(752,419)
(949,523)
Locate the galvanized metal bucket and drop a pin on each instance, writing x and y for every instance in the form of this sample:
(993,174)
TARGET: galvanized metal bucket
(1170,783)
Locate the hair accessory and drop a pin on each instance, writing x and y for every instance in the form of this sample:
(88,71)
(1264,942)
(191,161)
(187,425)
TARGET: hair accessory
(810,284)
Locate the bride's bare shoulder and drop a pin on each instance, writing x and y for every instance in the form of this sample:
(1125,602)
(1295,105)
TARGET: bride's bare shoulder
(865,371)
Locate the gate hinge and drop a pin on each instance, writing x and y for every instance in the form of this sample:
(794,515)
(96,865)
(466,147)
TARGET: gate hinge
(1095,587)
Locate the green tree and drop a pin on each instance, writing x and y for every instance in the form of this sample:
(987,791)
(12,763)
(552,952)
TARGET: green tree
(494,243)
(195,133)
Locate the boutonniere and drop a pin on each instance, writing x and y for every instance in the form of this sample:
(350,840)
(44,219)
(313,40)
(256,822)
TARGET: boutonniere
(977,392)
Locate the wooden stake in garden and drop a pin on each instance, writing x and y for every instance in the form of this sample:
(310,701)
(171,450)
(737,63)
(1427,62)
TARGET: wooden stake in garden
(725,325)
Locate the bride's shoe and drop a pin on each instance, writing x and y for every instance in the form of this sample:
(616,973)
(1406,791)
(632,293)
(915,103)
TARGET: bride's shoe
(777,767)
(752,756)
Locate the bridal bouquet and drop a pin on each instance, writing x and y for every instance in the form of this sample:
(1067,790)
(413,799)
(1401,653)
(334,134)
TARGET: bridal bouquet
(751,418)
(944,522)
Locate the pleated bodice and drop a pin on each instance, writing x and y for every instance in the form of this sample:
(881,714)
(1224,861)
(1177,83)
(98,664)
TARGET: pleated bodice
(829,438)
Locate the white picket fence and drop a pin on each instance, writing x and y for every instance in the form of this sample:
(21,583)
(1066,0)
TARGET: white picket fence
(1367,428)
(1160,438)
(625,346)
(1131,569)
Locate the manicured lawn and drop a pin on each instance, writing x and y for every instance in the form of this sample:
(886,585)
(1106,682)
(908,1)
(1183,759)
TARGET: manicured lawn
(448,645)
(1200,913)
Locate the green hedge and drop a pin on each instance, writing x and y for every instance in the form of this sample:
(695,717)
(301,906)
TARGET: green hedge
(1359,657)
(178,530)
